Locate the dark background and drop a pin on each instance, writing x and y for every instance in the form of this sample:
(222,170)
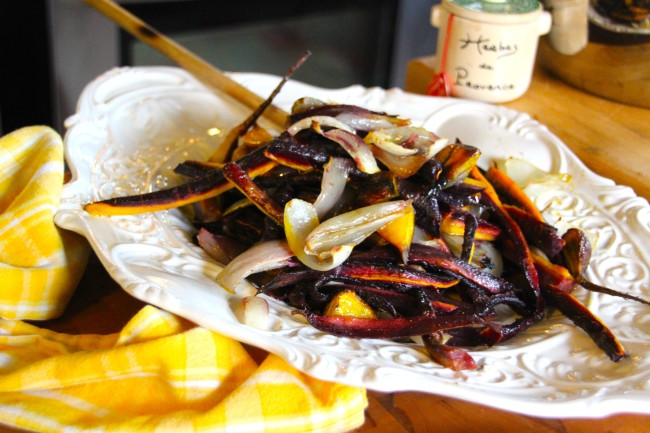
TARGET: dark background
(373,53)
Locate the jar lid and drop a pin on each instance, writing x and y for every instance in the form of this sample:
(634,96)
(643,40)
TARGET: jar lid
(498,6)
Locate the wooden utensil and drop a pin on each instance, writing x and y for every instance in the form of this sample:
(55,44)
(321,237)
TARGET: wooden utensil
(202,70)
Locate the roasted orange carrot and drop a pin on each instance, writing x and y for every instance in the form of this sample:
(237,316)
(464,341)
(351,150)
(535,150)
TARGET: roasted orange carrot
(508,188)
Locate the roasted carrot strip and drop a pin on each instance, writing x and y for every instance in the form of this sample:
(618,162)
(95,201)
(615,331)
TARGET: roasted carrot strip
(356,327)
(471,225)
(450,357)
(227,147)
(552,275)
(506,186)
(397,275)
(196,169)
(587,321)
(210,185)
(537,232)
(238,176)
(490,196)
(432,258)
(453,223)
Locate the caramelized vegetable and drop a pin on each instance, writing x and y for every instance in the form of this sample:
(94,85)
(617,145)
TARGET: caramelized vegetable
(576,252)
(300,219)
(347,303)
(457,162)
(399,232)
(508,189)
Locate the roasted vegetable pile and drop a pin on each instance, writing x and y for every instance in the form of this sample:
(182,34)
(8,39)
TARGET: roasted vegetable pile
(370,227)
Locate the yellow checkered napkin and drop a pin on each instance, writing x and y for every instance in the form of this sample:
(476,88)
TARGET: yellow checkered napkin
(160,374)
(40,264)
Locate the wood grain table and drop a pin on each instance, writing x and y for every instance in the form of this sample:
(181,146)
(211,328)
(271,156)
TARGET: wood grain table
(612,139)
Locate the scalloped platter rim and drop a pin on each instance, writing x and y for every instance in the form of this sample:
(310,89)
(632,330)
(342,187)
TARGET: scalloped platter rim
(133,125)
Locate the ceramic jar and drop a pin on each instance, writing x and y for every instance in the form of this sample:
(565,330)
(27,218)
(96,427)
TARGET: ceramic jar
(486,49)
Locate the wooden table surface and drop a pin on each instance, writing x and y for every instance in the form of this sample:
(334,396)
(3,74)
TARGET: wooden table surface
(611,138)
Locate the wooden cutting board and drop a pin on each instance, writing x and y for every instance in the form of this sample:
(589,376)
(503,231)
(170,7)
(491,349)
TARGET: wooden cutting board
(616,67)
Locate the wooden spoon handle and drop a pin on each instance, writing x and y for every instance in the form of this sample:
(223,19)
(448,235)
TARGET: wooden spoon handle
(202,70)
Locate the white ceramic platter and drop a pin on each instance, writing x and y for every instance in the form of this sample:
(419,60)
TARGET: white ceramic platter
(134,125)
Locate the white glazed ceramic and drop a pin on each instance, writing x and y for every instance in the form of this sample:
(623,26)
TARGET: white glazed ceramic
(487,49)
(134,125)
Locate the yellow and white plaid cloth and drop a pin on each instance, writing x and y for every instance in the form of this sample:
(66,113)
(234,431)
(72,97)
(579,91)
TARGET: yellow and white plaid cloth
(40,264)
(161,373)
